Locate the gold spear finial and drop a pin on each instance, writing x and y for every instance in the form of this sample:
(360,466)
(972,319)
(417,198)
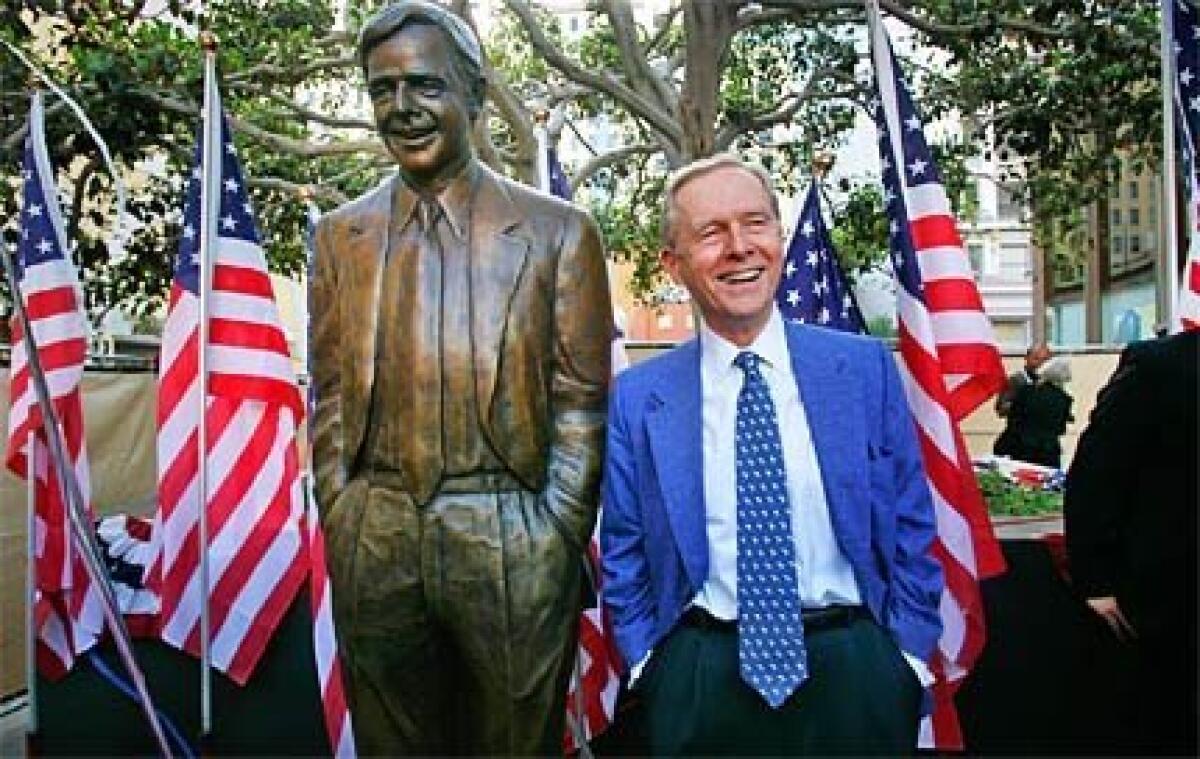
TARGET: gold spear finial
(821,164)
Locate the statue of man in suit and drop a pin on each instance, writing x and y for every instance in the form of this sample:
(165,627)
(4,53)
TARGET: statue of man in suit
(460,338)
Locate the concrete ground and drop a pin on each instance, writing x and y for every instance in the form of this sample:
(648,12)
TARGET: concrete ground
(13,714)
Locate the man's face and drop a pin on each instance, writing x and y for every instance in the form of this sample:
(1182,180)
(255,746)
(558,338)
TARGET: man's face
(420,106)
(1037,356)
(727,251)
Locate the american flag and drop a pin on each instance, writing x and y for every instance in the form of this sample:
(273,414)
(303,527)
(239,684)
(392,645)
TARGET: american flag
(814,289)
(325,644)
(68,612)
(949,364)
(596,681)
(255,505)
(1184,24)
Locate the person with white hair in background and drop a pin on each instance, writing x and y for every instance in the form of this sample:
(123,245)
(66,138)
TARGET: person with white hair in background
(1038,417)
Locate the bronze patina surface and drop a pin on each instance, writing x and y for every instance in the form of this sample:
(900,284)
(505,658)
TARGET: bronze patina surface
(460,341)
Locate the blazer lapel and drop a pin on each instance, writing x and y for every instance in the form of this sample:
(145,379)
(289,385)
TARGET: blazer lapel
(497,260)
(673,425)
(831,399)
(361,268)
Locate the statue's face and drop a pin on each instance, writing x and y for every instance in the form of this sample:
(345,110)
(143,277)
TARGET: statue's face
(420,105)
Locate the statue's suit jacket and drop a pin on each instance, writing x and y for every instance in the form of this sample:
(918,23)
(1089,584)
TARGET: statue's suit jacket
(541,325)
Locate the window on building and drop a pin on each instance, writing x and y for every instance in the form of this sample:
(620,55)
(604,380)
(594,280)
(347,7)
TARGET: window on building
(1135,217)
(1115,190)
(1007,208)
(1135,244)
(1116,217)
(1014,261)
(1133,190)
(975,253)
(1117,244)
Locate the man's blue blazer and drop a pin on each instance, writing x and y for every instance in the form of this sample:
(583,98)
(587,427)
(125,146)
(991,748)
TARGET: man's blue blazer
(653,528)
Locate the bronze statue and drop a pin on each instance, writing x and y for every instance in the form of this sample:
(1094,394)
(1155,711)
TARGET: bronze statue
(460,338)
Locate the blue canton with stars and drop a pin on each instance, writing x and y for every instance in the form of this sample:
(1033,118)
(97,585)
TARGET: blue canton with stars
(1185,39)
(39,238)
(813,289)
(235,220)
(919,169)
(771,651)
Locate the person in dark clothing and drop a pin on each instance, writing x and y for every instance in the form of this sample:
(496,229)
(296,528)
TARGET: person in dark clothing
(1130,523)
(1038,416)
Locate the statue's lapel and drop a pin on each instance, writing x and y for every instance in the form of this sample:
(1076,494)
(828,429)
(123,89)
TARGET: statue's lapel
(498,256)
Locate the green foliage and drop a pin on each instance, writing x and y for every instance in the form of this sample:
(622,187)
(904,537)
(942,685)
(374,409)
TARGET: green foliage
(139,78)
(1007,499)
(881,327)
(1070,93)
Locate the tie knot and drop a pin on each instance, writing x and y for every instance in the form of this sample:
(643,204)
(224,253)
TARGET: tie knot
(748,362)
(428,213)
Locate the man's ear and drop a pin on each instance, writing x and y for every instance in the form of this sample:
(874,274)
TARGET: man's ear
(669,260)
(477,97)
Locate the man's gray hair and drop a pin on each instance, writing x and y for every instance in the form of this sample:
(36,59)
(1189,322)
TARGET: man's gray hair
(468,54)
(697,169)
(1056,371)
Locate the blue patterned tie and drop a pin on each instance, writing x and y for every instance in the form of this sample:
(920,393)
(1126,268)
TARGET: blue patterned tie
(770,629)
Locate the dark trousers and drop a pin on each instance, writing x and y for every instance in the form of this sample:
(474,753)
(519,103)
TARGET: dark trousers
(861,697)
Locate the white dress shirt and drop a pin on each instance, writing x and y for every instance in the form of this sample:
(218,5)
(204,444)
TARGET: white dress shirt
(823,575)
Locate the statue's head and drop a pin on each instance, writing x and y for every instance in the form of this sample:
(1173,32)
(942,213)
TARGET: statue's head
(424,72)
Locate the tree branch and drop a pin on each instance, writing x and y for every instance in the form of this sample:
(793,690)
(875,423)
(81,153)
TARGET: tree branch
(638,72)
(278,142)
(608,159)
(300,189)
(605,82)
(310,115)
(901,10)
(278,72)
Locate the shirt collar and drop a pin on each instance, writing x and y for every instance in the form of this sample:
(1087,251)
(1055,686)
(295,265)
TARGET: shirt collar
(717,353)
(455,200)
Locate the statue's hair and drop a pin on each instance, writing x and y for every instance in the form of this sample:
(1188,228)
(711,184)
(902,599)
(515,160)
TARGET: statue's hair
(468,55)
(697,169)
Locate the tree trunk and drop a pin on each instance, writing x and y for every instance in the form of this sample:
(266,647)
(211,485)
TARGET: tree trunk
(708,28)
(1097,270)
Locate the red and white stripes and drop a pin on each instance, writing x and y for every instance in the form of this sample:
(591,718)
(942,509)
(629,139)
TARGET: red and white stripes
(949,365)
(325,646)
(68,611)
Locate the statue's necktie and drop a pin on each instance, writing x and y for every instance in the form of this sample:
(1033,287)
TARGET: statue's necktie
(771,650)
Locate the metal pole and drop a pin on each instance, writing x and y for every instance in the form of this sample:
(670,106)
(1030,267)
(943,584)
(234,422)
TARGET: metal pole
(81,525)
(210,198)
(1167,281)
(31,726)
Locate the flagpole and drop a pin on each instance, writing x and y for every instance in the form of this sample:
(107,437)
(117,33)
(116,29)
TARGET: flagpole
(210,199)
(1168,273)
(81,527)
(31,725)
(541,163)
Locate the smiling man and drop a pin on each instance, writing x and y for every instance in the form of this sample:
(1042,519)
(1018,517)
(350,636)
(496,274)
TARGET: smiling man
(767,523)
(460,353)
